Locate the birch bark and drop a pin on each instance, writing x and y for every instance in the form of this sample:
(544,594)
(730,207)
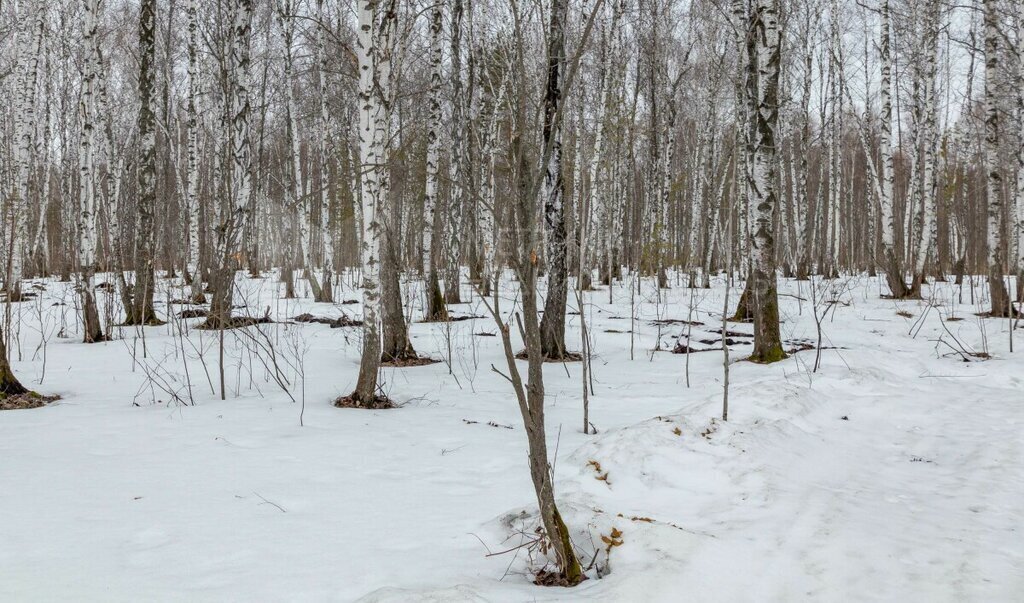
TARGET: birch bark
(764,43)
(435,300)
(92,329)
(994,180)
(142,312)
(25,128)
(373,50)
(240,177)
(553,322)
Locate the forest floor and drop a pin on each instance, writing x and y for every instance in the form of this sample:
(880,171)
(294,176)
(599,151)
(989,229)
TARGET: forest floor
(895,472)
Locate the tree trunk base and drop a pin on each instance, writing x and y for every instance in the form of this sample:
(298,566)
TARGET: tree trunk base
(898,287)
(436,309)
(564,356)
(25,400)
(9,384)
(1001,305)
(586,282)
(774,354)
(16,294)
(149,321)
(288,278)
(354,401)
(92,329)
(663,278)
(406,360)
(452,295)
(322,293)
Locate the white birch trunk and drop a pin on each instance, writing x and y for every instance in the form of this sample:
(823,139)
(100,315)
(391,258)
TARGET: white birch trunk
(927,242)
(192,184)
(25,127)
(240,176)
(998,294)
(457,156)
(433,135)
(327,236)
(743,209)
(376,22)
(86,168)
(766,38)
(1019,193)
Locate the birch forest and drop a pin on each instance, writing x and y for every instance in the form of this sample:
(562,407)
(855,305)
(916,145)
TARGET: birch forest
(505,300)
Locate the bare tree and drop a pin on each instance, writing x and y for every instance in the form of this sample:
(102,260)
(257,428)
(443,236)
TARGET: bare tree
(997,287)
(435,300)
(192,267)
(239,184)
(92,329)
(457,159)
(763,46)
(376,32)
(141,311)
(553,324)
(29,52)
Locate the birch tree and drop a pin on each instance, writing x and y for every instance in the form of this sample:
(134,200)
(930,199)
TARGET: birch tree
(92,329)
(893,266)
(457,160)
(763,42)
(373,51)
(30,51)
(192,268)
(436,309)
(745,107)
(928,235)
(323,145)
(141,311)
(1019,193)
(553,324)
(994,179)
(239,184)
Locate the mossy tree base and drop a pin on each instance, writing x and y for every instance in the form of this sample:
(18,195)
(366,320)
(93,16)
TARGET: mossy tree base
(775,354)
(764,301)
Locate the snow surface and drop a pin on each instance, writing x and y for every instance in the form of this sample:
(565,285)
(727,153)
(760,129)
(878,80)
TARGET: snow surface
(894,473)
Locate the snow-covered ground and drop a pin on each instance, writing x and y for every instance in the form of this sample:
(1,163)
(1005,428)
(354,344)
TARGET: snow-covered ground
(893,473)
